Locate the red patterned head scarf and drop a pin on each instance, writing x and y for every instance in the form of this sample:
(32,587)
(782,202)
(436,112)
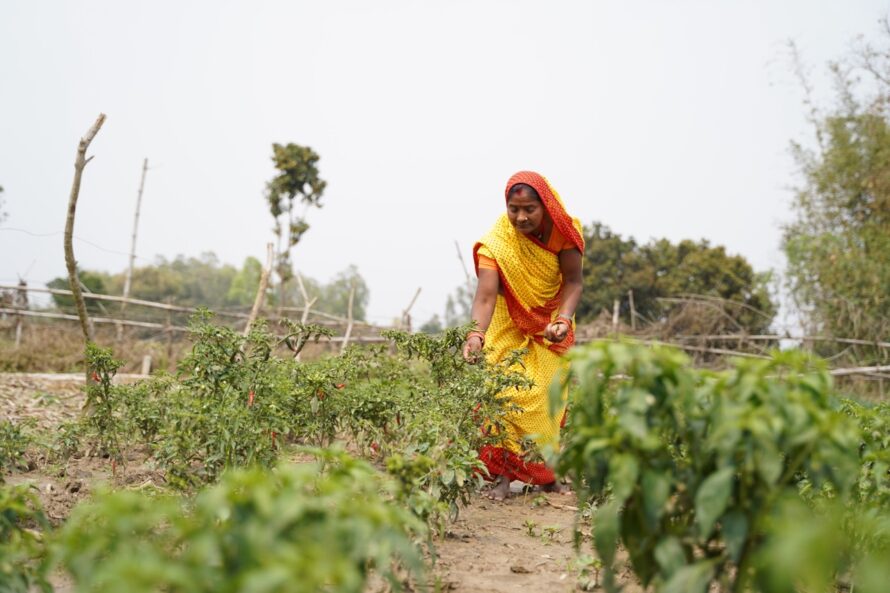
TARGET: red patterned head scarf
(552,203)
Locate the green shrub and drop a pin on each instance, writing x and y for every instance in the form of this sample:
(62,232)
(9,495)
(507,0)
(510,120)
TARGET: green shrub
(22,526)
(292,529)
(14,442)
(234,403)
(700,465)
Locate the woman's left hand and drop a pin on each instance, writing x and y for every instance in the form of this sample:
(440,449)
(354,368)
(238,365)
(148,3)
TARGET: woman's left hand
(557,331)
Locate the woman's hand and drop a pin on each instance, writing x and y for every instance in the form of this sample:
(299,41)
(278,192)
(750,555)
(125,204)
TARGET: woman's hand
(473,349)
(557,331)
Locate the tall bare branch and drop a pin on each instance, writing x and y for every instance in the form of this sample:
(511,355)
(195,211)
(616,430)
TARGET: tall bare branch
(80,162)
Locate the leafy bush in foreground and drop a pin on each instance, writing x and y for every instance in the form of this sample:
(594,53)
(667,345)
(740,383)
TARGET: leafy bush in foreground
(21,541)
(702,467)
(294,529)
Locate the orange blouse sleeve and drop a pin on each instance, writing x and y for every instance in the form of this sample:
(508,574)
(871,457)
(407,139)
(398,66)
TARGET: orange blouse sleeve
(486,263)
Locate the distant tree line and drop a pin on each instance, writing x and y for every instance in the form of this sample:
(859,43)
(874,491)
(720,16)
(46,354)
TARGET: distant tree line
(620,269)
(206,282)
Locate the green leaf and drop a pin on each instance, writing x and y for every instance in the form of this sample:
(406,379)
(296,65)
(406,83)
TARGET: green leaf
(595,445)
(623,472)
(769,464)
(735,529)
(670,556)
(693,578)
(656,490)
(605,532)
(712,498)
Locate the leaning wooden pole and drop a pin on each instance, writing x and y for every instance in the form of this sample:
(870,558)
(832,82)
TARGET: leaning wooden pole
(405,321)
(348,333)
(80,162)
(129,277)
(261,289)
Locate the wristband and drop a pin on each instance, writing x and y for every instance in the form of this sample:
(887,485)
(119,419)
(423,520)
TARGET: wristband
(477,334)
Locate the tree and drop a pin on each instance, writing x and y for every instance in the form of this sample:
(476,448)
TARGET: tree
(334,298)
(432,326)
(614,266)
(205,282)
(93,281)
(244,284)
(459,306)
(193,281)
(297,180)
(838,245)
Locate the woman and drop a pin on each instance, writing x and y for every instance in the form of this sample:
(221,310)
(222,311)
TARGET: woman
(529,270)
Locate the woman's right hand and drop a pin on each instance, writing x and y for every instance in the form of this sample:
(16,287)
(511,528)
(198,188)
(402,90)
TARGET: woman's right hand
(473,349)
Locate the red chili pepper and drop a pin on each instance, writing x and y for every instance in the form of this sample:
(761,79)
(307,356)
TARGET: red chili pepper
(375,448)
(476,412)
(274,434)
(96,378)
(319,394)
(340,385)
(250,397)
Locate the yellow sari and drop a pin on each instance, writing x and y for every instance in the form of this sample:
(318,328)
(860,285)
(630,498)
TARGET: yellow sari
(532,288)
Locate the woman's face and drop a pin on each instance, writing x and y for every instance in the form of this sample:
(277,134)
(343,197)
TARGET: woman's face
(525,211)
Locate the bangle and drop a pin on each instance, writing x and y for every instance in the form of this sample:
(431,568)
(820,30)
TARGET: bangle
(564,317)
(477,334)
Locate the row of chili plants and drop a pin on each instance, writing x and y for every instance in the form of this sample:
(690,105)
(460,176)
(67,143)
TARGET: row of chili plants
(761,478)
(233,512)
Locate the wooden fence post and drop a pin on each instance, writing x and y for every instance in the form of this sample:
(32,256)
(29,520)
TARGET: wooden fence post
(20,301)
(169,330)
(633,311)
(349,317)
(307,305)
(129,277)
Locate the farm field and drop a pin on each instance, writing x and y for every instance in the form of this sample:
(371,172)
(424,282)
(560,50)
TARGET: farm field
(686,479)
(523,543)
(330,351)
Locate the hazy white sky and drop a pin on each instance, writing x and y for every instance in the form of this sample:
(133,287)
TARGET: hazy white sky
(658,118)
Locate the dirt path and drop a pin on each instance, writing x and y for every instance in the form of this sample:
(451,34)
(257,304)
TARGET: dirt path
(523,544)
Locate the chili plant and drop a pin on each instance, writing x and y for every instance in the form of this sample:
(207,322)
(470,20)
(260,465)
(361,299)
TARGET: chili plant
(101,400)
(293,529)
(225,409)
(699,462)
(22,528)
(14,442)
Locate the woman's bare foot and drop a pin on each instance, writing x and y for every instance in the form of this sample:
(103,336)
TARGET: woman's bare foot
(499,490)
(556,487)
